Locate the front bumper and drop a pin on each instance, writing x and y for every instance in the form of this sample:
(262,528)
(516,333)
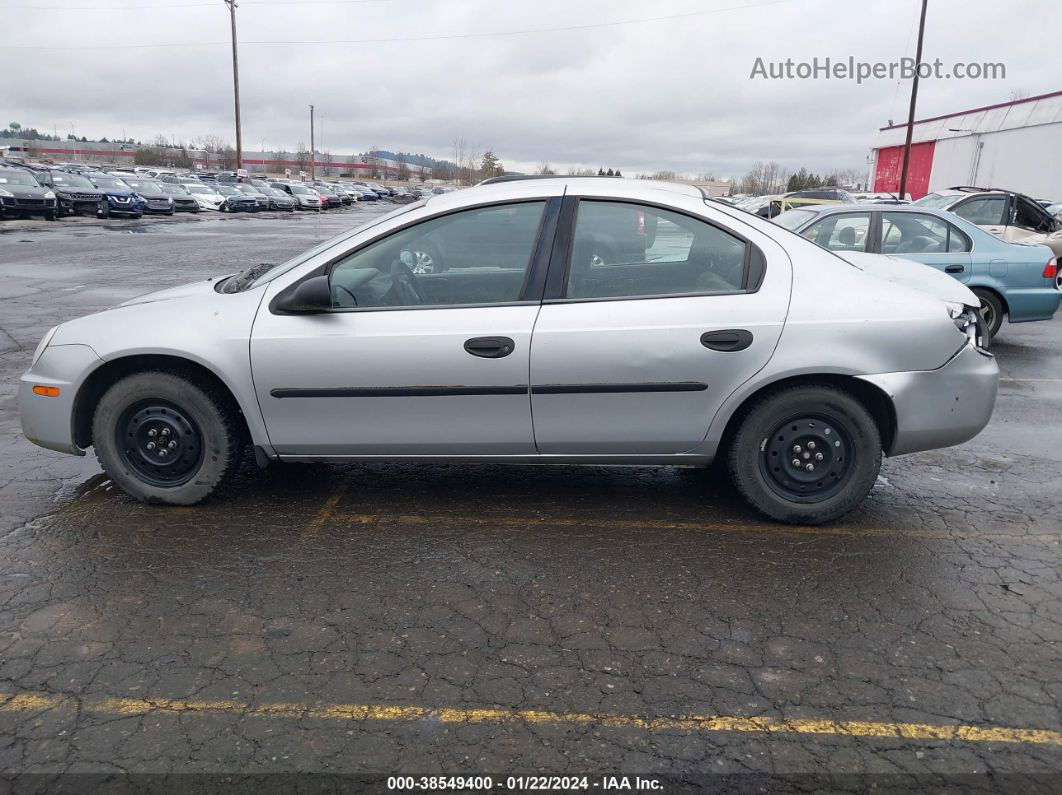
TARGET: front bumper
(17,204)
(942,407)
(49,421)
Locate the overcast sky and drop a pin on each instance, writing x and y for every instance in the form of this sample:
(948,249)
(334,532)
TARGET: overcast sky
(666,93)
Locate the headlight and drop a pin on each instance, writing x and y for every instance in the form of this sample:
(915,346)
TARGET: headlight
(969,321)
(43,344)
(7,193)
(49,195)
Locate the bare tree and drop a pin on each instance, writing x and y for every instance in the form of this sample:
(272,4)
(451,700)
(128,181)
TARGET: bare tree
(545,168)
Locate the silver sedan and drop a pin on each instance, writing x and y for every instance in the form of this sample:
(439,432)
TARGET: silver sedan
(567,321)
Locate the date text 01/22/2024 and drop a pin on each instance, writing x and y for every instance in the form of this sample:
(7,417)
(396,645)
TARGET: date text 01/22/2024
(523,783)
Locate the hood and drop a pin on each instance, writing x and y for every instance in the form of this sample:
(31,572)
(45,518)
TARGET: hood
(25,191)
(65,189)
(175,293)
(909,273)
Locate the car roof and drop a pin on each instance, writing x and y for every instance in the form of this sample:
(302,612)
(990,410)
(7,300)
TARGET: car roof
(547,186)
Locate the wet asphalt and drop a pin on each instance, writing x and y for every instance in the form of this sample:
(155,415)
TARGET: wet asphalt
(417,619)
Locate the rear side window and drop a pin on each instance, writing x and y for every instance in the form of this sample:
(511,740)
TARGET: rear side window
(916,233)
(985,211)
(627,250)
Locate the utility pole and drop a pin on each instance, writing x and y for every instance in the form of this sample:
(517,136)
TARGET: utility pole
(313,151)
(914,99)
(236,83)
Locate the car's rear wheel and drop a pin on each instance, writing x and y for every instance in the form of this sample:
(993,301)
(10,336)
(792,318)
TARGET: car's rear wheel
(991,310)
(164,439)
(806,454)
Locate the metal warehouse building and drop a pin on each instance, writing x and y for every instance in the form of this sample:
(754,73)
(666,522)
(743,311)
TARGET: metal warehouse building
(1015,145)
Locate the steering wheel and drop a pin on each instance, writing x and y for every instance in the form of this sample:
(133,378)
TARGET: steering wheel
(405,285)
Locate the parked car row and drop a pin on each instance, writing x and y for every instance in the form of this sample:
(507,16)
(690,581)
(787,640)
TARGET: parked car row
(56,191)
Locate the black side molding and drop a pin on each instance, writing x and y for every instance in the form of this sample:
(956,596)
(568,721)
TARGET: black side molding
(612,389)
(398,391)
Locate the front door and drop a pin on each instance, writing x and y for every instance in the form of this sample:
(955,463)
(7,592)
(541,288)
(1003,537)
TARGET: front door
(988,212)
(430,363)
(648,333)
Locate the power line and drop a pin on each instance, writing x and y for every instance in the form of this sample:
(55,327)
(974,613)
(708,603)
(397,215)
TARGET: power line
(444,37)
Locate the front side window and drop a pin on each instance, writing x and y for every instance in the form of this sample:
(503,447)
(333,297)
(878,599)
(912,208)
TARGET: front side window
(841,232)
(1030,215)
(477,256)
(916,233)
(986,211)
(625,250)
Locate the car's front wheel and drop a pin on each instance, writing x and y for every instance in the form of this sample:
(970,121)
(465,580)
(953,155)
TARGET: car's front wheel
(806,454)
(165,439)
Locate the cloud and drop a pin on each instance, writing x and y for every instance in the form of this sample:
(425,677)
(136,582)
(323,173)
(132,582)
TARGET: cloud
(671,94)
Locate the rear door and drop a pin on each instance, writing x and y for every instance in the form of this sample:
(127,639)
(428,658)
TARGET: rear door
(640,339)
(927,239)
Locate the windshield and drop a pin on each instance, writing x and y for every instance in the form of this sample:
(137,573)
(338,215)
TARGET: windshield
(203,189)
(793,219)
(70,180)
(225,190)
(144,186)
(173,190)
(17,178)
(298,259)
(936,200)
(301,189)
(110,183)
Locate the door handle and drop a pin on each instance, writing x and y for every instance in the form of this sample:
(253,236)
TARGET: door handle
(727,340)
(490,347)
(955,269)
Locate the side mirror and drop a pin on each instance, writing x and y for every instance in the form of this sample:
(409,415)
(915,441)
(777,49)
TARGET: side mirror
(311,297)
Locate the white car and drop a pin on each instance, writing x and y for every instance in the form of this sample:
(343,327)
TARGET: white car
(206,196)
(636,322)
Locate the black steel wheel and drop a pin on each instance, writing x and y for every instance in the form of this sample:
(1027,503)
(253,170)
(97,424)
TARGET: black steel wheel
(163,437)
(806,458)
(805,454)
(159,442)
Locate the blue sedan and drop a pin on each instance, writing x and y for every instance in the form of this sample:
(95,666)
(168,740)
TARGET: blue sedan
(1011,279)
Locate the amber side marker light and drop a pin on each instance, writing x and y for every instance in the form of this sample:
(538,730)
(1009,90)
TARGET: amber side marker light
(46,391)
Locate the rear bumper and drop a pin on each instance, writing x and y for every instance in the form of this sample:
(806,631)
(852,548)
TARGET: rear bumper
(942,407)
(49,421)
(1024,305)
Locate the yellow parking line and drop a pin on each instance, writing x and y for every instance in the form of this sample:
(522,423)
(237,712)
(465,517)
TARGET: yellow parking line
(318,521)
(34,702)
(530,522)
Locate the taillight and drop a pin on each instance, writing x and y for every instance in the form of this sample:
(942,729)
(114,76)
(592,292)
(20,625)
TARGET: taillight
(1051,269)
(640,224)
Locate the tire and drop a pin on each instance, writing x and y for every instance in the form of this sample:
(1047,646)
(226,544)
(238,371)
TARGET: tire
(158,404)
(829,422)
(991,310)
(49,216)
(103,212)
